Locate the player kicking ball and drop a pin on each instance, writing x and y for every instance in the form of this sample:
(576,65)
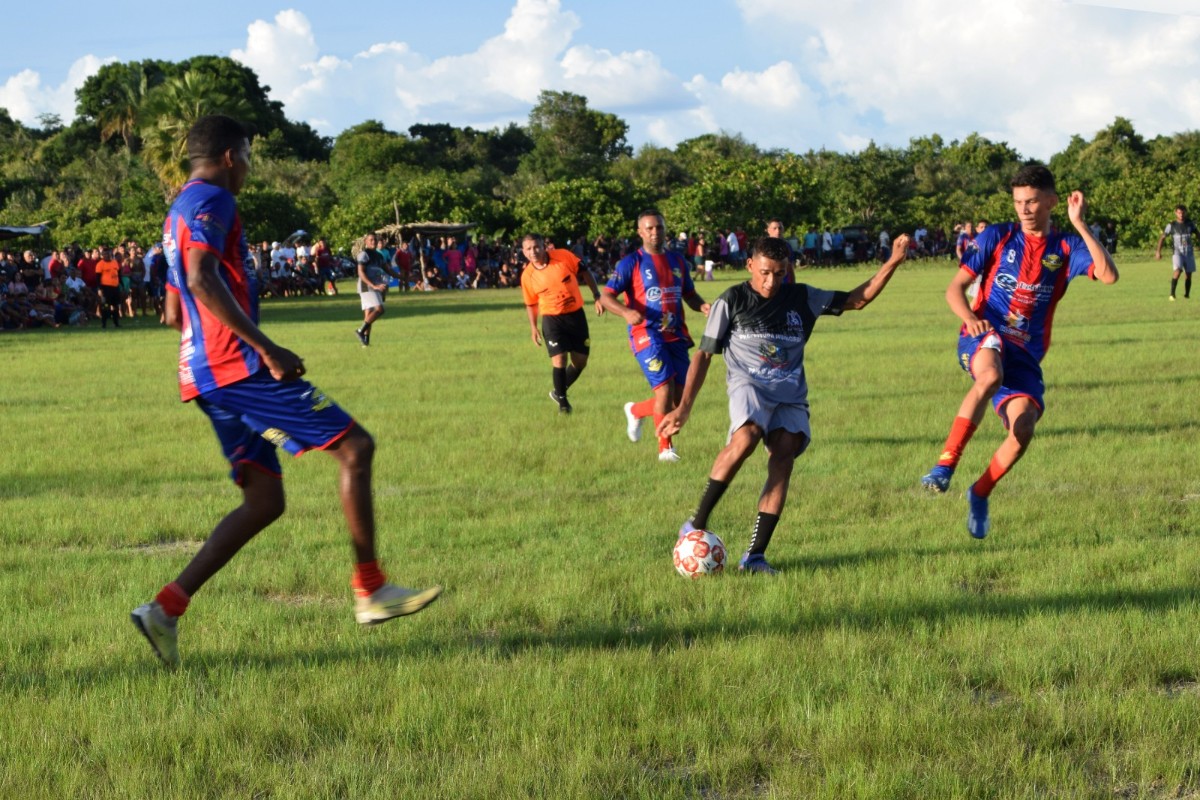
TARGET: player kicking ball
(761,327)
(1023,269)
(252,391)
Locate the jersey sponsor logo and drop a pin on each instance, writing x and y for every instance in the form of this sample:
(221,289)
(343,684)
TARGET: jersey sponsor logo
(654,365)
(772,355)
(1011,285)
(276,437)
(1017,320)
(208,220)
(668,321)
(654,294)
(793,319)
(643,340)
(1052,262)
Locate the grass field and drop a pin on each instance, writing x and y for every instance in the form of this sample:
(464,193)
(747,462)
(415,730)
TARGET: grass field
(893,657)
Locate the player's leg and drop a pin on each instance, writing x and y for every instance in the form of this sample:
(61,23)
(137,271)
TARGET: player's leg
(558,377)
(372,308)
(255,467)
(725,468)
(981,357)
(1178,268)
(376,600)
(783,448)
(1189,266)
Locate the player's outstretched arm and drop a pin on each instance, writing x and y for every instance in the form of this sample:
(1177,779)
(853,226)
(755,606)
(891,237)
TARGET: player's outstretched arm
(862,295)
(697,372)
(1103,268)
(205,284)
(696,303)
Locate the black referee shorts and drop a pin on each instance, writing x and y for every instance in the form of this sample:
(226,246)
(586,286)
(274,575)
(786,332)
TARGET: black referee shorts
(566,333)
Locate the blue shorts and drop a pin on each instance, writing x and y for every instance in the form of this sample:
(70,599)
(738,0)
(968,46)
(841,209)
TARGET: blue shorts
(1022,372)
(661,361)
(258,414)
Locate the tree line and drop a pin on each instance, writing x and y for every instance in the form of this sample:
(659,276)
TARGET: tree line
(568,172)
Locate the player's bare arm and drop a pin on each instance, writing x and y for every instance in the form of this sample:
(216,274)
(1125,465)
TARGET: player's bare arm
(861,296)
(534,334)
(956,298)
(204,282)
(675,419)
(1158,249)
(173,311)
(696,303)
(614,306)
(1103,267)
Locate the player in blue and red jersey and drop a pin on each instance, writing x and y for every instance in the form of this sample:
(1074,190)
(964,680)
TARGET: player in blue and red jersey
(656,283)
(251,390)
(1023,269)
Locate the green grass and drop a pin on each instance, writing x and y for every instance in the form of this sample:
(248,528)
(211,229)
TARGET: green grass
(893,657)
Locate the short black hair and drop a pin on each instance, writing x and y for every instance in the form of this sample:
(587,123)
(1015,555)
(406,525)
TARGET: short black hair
(773,248)
(212,135)
(650,212)
(536,237)
(1035,176)
(1181,207)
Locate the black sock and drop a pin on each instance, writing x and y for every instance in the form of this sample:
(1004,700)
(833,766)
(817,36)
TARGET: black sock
(1174,282)
(1187,286)
(708,501)
(560,383)
(764,526)
(572,374)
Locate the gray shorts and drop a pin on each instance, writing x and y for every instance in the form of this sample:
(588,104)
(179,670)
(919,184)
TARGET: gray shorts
(1184,262)
(747,404)
(370,299)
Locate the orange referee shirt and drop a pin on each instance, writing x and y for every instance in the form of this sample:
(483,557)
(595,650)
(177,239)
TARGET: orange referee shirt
(554,288)
(109,272)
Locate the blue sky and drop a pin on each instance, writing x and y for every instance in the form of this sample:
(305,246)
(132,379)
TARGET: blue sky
(796,74)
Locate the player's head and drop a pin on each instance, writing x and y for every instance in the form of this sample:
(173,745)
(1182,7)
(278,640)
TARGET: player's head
(652,229)
(219,144)
(1034,197)
(769,265)
(979,226)
(534,248)
(775,227)
(1181,212)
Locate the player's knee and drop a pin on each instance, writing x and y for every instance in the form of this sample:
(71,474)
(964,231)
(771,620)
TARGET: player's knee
(1022,429)
(357,448)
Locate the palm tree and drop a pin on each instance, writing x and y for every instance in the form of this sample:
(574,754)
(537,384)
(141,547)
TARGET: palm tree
(168,114)
(120,116)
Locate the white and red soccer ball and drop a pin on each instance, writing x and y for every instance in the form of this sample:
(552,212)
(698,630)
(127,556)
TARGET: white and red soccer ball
(699,553)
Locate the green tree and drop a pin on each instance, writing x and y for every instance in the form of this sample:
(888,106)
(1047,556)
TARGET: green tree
(571,140)
(573,208)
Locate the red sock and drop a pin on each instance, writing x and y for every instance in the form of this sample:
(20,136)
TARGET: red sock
(367,578)
(956,442)
(663,441)
(990,477)
(173,600)
(644,408)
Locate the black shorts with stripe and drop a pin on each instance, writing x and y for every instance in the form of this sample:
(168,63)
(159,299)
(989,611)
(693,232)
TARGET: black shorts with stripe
(566,333)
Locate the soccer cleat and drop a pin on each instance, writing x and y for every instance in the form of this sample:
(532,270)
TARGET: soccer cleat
(668,456)
(633,425)
(159,630)
(977,514)
(686,528)
(390,601)
(563,406)
(756,563)
(1171,298)
(363,338)
(938,479)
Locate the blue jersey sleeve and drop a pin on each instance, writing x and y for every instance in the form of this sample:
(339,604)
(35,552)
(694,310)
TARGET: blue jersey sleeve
(1081,260)
(622,277)
(976,258)
(211,220)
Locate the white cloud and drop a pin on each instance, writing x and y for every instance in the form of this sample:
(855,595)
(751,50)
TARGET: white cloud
(26,98)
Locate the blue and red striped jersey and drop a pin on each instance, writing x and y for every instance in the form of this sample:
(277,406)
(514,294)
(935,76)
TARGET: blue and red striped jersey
(1023,278)
(655,285)
(205,216)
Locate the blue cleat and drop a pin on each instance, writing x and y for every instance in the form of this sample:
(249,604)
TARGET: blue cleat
(938,479)
(977,514)
(756,563)
(686,528)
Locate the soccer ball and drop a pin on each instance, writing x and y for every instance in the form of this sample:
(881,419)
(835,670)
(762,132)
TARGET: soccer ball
(699,553)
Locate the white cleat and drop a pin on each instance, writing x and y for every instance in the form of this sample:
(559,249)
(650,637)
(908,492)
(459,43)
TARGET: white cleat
(669,455)
(160,631)
(633,425)
(390,601)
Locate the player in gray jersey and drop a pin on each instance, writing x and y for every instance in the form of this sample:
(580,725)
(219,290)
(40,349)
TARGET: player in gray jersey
(761,327)
(1182,232)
